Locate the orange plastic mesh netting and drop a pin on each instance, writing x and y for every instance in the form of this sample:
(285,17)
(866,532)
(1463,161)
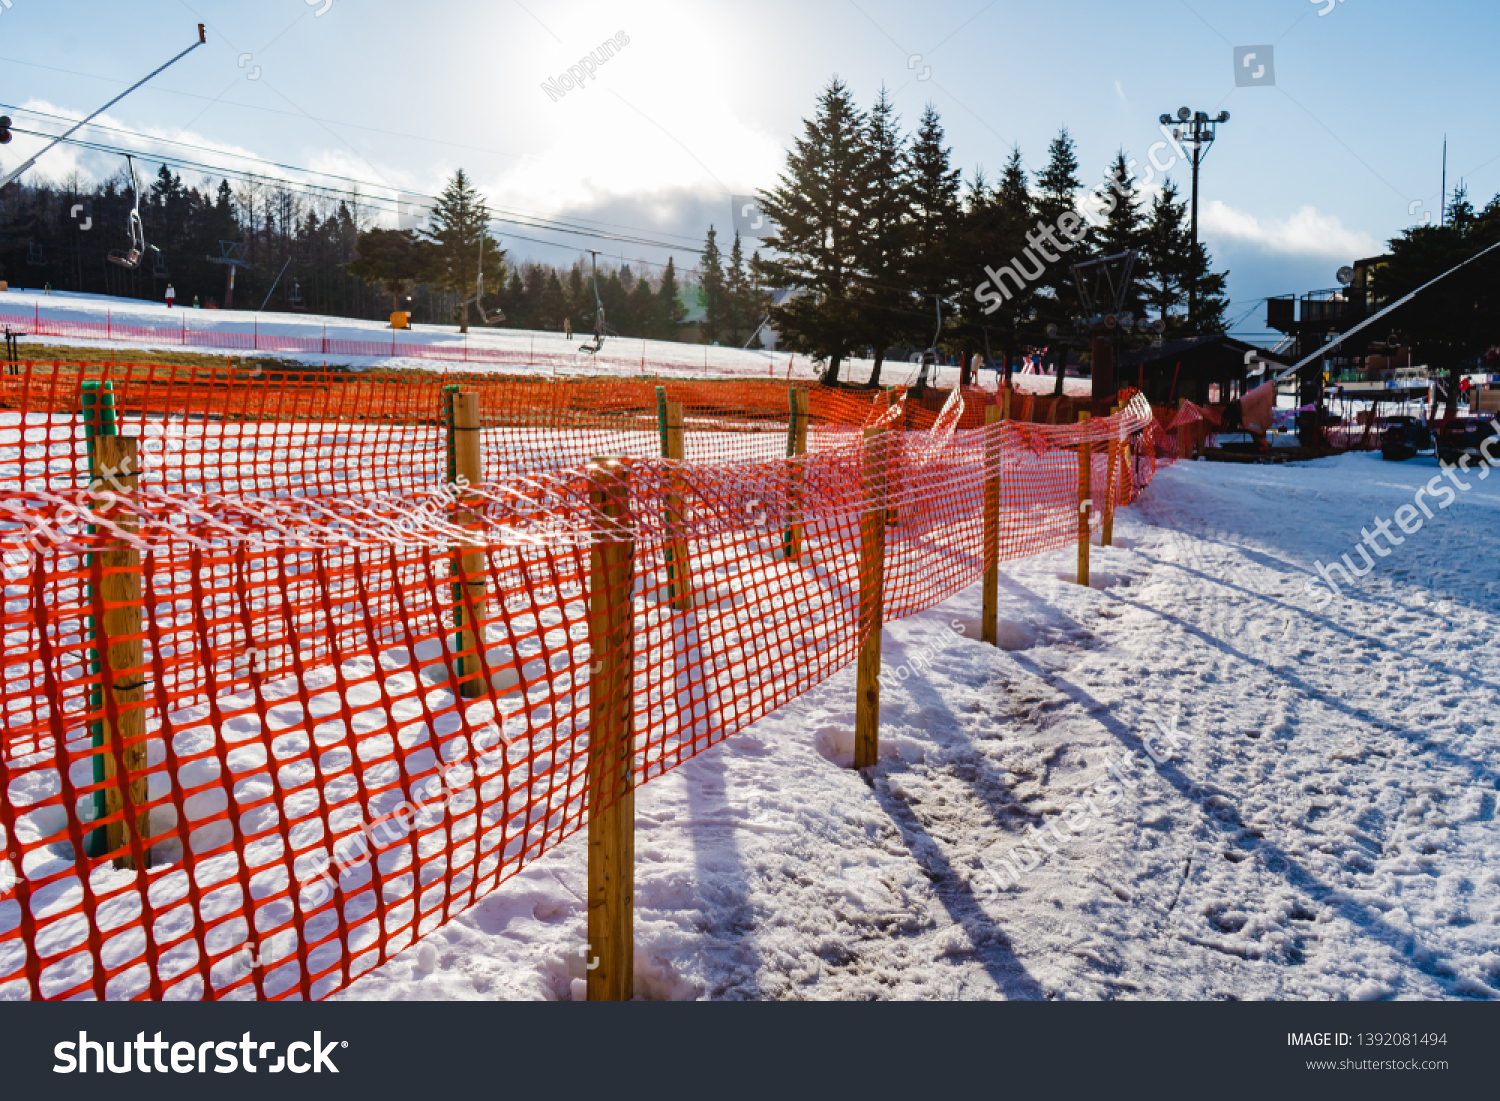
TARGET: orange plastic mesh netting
(353,693)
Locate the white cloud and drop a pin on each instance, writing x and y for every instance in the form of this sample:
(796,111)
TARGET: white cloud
(1306,233)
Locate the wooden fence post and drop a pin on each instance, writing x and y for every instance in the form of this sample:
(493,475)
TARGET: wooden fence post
(988,631)
(1085,502)
(796,446)
(1107,538)
(122,667)
(611,759)
(470,590)
(871,599)
(674,447)
(1183,446)
(1005,403)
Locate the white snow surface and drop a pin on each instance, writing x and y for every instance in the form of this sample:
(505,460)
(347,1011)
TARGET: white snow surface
(1325,831)
(660,358)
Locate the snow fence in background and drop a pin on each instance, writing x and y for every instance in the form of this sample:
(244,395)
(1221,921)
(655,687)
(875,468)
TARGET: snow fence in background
(317,783)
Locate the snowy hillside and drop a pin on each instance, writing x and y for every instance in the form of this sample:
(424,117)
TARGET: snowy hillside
(99,321)
(1324,828)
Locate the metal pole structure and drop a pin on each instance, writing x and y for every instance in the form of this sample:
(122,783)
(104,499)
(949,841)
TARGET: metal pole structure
(274,285)
(202,38)
(1192,276)
(1197,129)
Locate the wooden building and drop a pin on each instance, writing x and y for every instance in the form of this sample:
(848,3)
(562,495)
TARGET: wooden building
(1207,370)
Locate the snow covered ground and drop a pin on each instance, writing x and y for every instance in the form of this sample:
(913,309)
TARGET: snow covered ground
(1324,828)
(552,351)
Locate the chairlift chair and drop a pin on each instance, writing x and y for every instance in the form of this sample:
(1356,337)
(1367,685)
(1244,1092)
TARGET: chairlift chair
(35,256)
(496,318)
(159,265)
(599,327)
(131,257)
(295,300)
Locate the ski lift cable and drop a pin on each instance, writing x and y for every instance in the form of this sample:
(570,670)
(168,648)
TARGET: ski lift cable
(202,38)
(381,203)
(1336,341)
(537,221)
(388,205)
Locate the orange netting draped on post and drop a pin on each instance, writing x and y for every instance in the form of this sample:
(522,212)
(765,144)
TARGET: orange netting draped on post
(361,689)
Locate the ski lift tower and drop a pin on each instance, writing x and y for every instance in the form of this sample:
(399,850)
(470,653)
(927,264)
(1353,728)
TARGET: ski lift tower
(232,256)
(1102,287)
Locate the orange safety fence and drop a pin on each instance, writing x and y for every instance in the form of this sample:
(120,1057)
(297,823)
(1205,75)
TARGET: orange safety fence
(353,695)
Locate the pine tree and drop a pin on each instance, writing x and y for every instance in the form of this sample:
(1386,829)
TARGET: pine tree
(933,192)
(1164,243)
(1016,214)
(1172,261)
(885,302)
(554,304)
(712,290)
(1058,185)
(393,259)
(460,220)
(580,297)
(642,310)
(737,293)
(1124,227)
(761,301)
(668,309)
(818,212)
(1013,193)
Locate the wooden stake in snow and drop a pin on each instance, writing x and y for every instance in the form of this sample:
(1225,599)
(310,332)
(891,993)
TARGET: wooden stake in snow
(796,447)
(470,588)
(123,668)
(1085,501)
(871,600)
(1107,538)
(988,632)
(674,447)
(611,759)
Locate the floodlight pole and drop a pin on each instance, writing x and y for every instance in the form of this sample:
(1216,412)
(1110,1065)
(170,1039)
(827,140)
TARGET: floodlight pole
(1198,130)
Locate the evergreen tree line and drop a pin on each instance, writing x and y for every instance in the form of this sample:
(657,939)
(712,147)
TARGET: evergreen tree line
(877,235)
(60,234)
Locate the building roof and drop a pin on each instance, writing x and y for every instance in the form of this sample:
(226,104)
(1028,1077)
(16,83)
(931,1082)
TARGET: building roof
(1172,352)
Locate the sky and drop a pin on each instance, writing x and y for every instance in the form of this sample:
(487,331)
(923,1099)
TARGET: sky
(1332,149)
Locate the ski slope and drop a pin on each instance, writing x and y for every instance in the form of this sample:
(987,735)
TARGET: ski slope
(533,350)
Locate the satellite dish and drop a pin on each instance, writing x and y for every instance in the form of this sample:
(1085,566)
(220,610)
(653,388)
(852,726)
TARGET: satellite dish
(1165,120)
(1223,116)
(1109,321)
(1184,114)
(1346,275)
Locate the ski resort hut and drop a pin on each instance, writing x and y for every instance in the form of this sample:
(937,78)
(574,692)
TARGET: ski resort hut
(1207,370)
